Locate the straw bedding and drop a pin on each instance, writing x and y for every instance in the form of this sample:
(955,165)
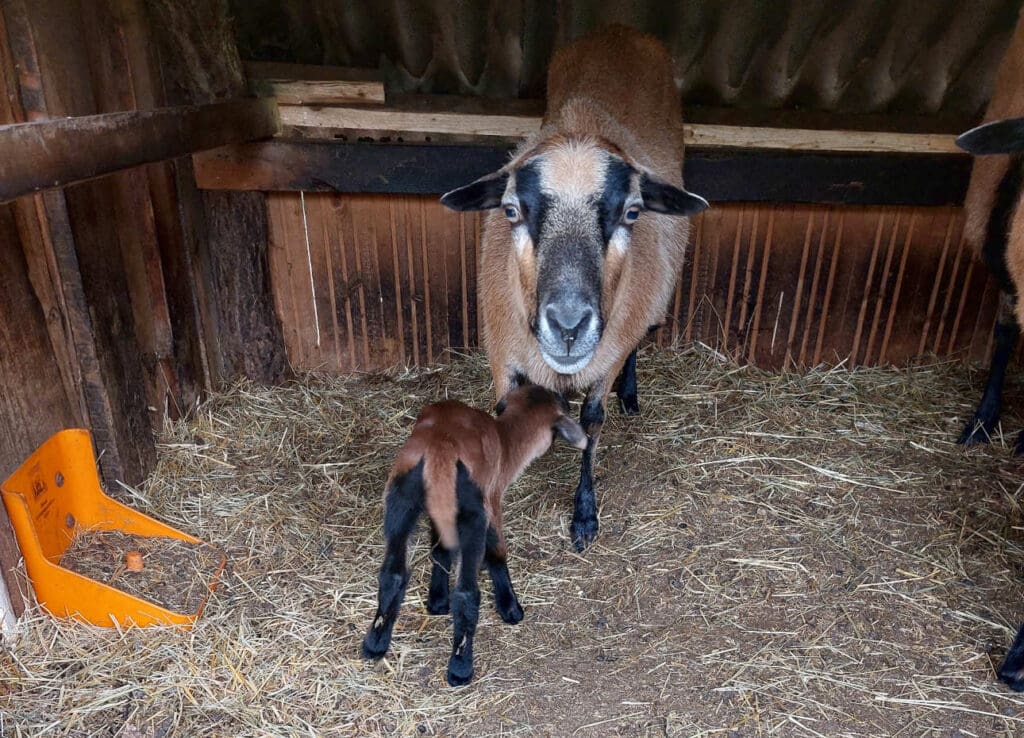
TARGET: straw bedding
(781,554)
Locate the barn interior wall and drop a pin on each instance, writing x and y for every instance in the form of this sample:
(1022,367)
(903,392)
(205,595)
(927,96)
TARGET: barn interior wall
(367,281)
(114,313)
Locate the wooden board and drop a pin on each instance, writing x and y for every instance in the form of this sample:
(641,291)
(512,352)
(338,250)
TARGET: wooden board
(744,176)
(376,122)
(53,153)
(773,284)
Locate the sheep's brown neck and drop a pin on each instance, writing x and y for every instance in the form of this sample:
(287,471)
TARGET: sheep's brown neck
(519,446)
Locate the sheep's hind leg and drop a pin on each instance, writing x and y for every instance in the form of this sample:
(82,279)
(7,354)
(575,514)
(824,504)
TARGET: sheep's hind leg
(1005,334)
(402,507)
(626,389)
(505,600)
(465,600)
(1011,671)
(441,558)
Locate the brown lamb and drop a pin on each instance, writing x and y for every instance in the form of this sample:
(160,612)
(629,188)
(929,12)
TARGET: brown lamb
(456,465)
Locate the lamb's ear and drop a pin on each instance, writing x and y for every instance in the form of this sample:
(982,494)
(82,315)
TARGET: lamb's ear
(997,137)
(482,194)
(571,432)
(662,197)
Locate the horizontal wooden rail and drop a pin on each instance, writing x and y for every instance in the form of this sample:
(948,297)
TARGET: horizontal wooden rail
(53,153)
(301,84)
(720,176)
(383,122)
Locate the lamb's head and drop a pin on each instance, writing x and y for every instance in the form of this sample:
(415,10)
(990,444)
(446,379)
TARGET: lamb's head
(571,205)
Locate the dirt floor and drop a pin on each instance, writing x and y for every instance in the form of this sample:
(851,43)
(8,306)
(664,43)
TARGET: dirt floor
(780,555)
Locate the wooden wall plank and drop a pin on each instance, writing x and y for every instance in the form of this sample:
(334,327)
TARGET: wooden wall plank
(775,285)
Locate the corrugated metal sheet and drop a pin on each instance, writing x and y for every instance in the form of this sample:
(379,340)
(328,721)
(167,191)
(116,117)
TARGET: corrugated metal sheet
(365,281)
(863,56)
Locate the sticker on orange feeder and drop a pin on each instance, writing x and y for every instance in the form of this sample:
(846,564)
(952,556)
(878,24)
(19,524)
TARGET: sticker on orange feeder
(133,561)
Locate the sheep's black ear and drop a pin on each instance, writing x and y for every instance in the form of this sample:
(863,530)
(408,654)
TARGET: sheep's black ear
(483,194)
(997,137)
(571,432)
(662,197)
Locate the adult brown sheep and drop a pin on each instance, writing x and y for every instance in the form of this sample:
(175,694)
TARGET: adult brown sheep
(587,233)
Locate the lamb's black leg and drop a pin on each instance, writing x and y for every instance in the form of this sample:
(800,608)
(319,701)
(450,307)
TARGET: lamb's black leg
(584,516)
(402,506)
(505,600)
(472,527)
(437,600)
(1006,334)
(1011,671)
(628,401)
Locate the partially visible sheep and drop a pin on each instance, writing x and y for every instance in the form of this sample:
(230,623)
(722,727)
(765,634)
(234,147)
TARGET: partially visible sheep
(994,226)
(456,465)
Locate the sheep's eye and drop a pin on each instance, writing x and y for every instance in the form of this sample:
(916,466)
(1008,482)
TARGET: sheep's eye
(512,213)
(631,214)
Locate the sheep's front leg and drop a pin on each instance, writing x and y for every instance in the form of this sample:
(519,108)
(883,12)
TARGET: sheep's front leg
(1005,336)
(626,389)
(584,516)
(441,558)
(496,556)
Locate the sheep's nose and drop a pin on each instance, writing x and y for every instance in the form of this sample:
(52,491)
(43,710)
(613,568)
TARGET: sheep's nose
(567,321)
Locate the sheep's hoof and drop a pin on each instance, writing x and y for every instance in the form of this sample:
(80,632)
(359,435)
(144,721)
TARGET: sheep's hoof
(375,646)
(437,604)
(976,431)
(510,612)
(1018,447)
(1011,672)
(460,673)
(584,531)
(629,404)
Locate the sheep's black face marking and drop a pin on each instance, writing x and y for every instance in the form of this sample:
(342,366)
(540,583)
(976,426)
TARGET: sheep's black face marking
(612,202)
(533,203)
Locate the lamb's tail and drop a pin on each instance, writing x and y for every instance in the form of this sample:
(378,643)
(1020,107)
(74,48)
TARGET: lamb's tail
(441,499)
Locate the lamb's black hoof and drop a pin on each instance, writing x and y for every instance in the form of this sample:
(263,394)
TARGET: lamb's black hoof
(510,612)
(438,605)
(629,404)
(584,531)
(374,647)
(459,673)
(1011,671)
(975,432)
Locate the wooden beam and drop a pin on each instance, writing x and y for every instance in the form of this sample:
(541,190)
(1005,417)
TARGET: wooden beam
(53,153)
(393,123)
(288,165)
(322,92)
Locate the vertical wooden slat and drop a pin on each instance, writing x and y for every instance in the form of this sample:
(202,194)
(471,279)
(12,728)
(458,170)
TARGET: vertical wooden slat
(765,258)
(826,304)
(812,296)
(798,291)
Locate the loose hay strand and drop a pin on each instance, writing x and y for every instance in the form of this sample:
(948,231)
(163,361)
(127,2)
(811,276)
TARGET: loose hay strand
(780,554)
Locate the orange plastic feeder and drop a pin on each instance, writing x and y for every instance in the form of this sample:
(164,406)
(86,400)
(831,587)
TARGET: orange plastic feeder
(57,493)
